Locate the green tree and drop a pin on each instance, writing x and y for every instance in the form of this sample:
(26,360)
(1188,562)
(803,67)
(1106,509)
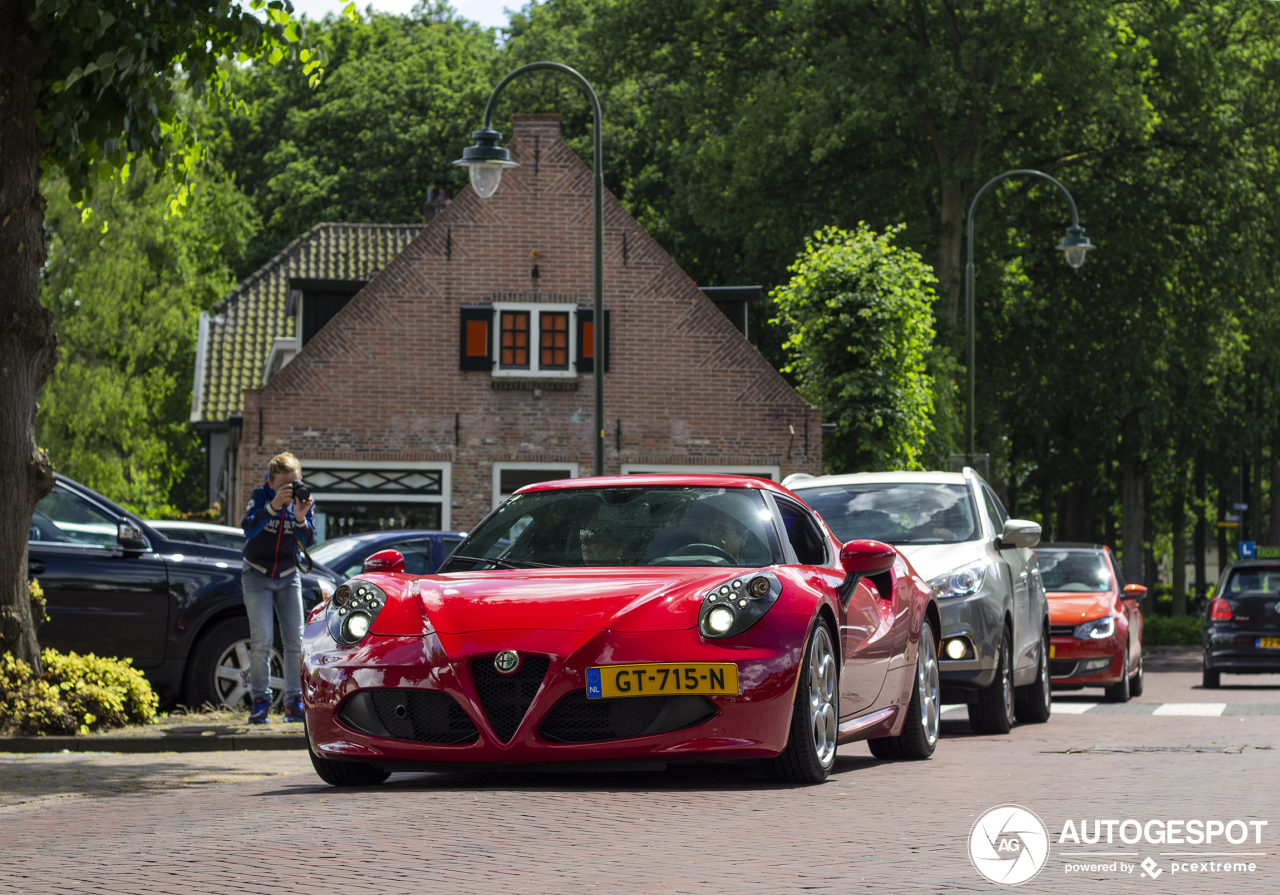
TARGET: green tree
(125,282)
(90,88)
(858,314)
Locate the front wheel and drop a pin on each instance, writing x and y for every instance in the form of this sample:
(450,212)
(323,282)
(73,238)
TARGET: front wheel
(1119,691)
(919,735)
(344,773)
(1135,685)
(1035,701)
(993,710)
(219,671)
(811,742)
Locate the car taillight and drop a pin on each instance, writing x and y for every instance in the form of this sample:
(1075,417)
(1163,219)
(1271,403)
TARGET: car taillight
(1220,610)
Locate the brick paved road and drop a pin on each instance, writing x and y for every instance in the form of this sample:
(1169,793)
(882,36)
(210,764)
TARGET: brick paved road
(876,826)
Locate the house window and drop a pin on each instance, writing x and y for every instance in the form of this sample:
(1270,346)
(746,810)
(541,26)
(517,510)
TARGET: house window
(511,477)
(515,339)
(553,332)
(370,495)
(476,347)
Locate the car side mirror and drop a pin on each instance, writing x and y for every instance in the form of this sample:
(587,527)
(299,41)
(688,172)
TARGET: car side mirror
(866,558)
(385,561)
(1134,591)
(1020,533)
(130,536)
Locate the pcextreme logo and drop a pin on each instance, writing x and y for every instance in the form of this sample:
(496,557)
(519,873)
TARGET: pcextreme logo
(1009,845)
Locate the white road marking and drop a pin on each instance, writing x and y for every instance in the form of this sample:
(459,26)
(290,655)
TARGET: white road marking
(1197,709)
(1072,708)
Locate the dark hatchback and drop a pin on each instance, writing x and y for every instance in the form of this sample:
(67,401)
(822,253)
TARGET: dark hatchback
(1242,622)
(116,586)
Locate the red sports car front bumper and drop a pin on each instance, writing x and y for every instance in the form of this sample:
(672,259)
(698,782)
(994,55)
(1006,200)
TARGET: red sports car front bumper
(752,724)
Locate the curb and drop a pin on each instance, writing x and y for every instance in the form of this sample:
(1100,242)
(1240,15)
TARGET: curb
(268,742)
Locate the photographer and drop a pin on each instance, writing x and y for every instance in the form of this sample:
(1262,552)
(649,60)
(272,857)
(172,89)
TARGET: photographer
(277,524)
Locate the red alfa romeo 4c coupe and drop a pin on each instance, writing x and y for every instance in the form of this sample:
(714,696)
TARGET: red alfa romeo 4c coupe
(653,618)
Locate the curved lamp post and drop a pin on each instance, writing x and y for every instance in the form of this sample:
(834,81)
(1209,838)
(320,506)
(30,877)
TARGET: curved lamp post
(1073,247)
(486,161)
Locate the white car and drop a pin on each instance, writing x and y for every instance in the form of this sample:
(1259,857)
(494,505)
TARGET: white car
(957,535)
(200,533)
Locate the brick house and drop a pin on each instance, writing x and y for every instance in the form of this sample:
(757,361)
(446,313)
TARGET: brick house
(462,370)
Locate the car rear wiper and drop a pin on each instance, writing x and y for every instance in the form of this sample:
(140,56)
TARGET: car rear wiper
(506,563)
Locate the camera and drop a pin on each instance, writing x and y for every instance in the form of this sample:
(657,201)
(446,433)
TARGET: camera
(301,491)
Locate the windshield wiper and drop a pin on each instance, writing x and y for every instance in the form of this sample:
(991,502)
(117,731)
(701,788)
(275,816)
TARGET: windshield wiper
(506,563)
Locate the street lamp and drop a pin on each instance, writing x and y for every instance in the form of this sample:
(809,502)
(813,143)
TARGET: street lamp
(1073,247)
(486,161)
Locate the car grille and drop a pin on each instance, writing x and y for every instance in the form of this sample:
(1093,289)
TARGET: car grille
(506,697)
(577,719)
(1062,630)
(422,716)
(1062,667)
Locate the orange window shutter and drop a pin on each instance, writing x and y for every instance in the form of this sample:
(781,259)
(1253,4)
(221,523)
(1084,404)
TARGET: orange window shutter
(477,338)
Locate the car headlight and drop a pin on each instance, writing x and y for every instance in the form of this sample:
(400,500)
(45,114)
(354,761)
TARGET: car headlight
(960,582)
(732,607)
(352,610)
(1098,629)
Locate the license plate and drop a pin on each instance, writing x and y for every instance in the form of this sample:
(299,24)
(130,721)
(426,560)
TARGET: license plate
(1269,643)
(706,678)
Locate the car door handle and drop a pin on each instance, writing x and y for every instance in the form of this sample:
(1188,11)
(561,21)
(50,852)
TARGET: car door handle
(35,567)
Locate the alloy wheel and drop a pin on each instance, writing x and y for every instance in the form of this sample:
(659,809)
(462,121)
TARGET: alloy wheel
(822,696)
(231,677)
(1006,682)
(927,682)
(1044,675)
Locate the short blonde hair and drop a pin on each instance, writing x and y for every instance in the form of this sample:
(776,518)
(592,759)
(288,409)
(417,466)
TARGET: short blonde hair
(286,462)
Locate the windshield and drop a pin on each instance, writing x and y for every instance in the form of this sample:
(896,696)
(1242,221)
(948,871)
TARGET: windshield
(331,551)
(1254,580)
(624,527)
(1073,571)
(896,512)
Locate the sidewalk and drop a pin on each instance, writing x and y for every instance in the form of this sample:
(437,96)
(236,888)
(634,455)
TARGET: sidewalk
(196,732)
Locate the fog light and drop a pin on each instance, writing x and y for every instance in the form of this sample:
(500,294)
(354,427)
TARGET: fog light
(720,619)
(955,649)
(357,625)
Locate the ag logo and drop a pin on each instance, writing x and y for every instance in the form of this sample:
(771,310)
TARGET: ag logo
(506,662)
(1009,845)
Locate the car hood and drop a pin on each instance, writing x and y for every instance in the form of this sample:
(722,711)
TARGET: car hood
(662,599)
(1074,608)
(932,560)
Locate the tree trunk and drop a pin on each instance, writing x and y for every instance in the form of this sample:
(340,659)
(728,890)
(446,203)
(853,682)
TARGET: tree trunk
(1150,571)
(1222,532)
(1131,494)
(27,345)
(951,232)
(1273,536)
(1178,517)
(1200,537)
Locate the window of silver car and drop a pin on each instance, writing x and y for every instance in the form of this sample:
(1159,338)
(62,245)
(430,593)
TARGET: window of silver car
(897,512)
(995,509)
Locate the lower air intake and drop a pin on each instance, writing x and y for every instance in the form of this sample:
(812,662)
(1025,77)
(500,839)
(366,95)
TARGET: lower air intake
(1062,667)
(577,719)
(422,716)
(506,697)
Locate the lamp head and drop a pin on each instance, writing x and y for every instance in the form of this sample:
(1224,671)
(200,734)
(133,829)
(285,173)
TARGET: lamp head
(485,161)
(1074,245)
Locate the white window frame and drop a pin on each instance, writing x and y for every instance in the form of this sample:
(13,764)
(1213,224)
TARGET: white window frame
(444,498)
(773,473)
(535,311)
(498,467)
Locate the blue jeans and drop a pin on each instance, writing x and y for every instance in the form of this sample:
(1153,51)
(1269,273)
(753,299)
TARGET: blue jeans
(261,594)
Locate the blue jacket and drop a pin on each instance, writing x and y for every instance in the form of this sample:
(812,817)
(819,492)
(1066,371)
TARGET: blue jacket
(270,547)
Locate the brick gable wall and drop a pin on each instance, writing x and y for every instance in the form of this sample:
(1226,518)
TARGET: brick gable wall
(381,380)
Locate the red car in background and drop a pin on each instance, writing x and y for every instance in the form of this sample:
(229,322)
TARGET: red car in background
(650,617)
(1095,620)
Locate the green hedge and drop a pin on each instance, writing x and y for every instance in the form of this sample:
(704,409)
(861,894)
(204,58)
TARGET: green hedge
(76,694)
(1159,630)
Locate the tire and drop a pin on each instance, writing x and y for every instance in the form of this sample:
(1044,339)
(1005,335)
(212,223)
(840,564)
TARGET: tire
(344,773)
(993,710)
(1212,679)
(1119,691)
(1034,702)
(811,741)
(218,673)
(1135,685)
(919,735)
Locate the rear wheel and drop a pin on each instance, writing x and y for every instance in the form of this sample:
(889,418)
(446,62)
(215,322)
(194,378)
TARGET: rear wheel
(811,742)
(1212,678)
(1119,691)
(993,711)
(1034,702)
(219,671)
(1135,685)
(345,773)
(919,735)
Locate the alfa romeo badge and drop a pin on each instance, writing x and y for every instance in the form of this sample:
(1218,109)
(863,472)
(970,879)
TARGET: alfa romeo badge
(507,661)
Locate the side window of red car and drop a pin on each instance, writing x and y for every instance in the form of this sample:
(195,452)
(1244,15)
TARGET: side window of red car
(803,533)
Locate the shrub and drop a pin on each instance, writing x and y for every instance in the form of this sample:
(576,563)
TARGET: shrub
(76,694)
(1159,630)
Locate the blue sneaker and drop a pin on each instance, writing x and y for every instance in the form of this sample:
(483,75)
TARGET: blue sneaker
(261,708)
(293,711)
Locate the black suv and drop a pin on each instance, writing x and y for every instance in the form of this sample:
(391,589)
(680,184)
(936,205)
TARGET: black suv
(115,586)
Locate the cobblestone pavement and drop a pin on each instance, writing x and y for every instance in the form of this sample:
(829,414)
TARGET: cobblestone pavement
(262,822)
